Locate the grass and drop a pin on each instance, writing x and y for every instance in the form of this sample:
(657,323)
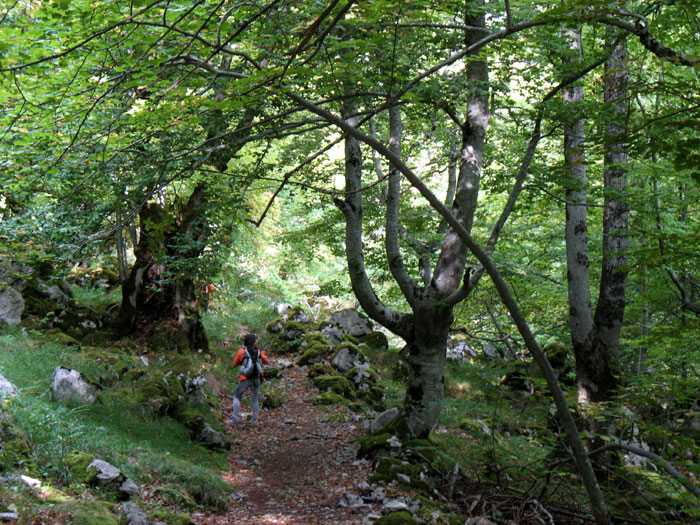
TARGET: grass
(149,450)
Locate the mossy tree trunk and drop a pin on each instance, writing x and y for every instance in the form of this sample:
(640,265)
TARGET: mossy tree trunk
(159,288)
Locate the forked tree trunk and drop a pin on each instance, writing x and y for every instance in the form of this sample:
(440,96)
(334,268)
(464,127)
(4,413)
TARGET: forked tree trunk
(152,294)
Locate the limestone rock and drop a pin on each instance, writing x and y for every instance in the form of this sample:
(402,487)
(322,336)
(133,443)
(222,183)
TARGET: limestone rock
(69,385)
(347,358)
(11,306)
(459,350)
(332,333)
(211,438)
(128,489)
(6,388)
(384,419)
(134,515)
(351,322)
(107,474)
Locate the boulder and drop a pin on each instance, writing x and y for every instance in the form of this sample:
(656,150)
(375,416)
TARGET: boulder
(11,306)
(352,322)
(7,389)
(459,350)
(107,476)
(70,386)
(332,333)
(281,308)
(128,489)
(211,438)
(134,515)
(383,419)
(12,283)
(348,357)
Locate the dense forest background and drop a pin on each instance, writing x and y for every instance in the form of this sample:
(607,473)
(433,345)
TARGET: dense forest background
(510,186)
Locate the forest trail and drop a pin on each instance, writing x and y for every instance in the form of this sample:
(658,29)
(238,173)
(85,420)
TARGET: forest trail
(295,465)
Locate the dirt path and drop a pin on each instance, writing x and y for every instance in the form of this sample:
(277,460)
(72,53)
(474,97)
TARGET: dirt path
(296,464)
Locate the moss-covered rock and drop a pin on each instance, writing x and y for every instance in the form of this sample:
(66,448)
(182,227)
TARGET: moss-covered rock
(159,392)
(336,384)
(413,475)
(397,518)
(435,512)
(16,447)
(172,518)
(183,412)
(314,354)
(557,355)
(173,497)
(328,398)
(99,338)
(377,341)
(373,397)
(362,377)
(272,397)
(370,446)
(57,336)
(321,369)
(86,512)
(77,463)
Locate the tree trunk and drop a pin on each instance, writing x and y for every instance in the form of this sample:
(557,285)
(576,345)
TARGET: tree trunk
(152,294)
(610,309)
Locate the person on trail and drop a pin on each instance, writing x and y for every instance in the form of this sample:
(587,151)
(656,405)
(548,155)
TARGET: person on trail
(250,360)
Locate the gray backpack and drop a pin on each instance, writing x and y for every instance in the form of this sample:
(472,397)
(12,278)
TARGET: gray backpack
(252,366)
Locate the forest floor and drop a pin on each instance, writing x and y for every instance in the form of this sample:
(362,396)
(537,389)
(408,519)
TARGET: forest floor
(295,465)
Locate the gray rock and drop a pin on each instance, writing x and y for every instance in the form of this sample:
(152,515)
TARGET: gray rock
(134,515)
(108,475)
(479,521)
(11,306)
(69,385)
(394,505)
(9,516)
(459,350)
(384,419)
(351,322)
(281,308)
(7,389)
(209,437)
(128,489)
(348,358)
(350,500)
(491,351)
(332,333)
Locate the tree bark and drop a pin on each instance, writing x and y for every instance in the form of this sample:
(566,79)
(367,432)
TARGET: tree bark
(611,301)
(152,294)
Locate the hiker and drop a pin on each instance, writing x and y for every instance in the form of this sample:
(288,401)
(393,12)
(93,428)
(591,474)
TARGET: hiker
(250,359)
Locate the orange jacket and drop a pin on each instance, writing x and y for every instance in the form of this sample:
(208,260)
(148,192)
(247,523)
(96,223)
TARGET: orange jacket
(239,359)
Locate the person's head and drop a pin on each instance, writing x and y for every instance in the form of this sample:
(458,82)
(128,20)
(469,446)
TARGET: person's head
(249,340)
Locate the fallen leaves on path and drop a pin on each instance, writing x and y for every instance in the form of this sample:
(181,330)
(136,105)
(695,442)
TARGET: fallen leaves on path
(296,464)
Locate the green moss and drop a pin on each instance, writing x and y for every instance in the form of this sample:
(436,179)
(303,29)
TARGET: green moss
(171,518)
(316,337)
(172,497)
(370,445)
(377,341)
(321,369)
(185,413)
(328,398)
(86,512)
(313,354)
(360,375)
(98,338)
(437,513)
(272,397)
(77,463)
(387,469)
(159,392)
(557,355)
(351,339)
(397,518)
(336,384)
(16,447)
(62,338)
